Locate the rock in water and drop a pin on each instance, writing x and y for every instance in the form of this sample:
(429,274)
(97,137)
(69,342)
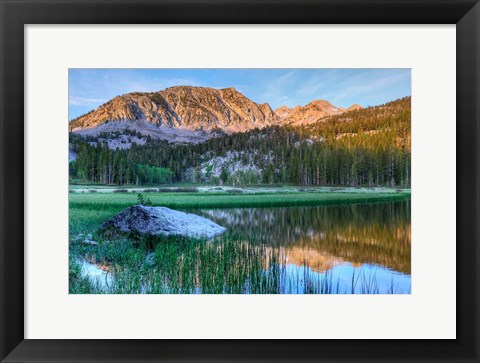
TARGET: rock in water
(164,221)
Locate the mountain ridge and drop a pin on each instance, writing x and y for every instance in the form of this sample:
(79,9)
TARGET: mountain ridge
(203,110)
(193,108)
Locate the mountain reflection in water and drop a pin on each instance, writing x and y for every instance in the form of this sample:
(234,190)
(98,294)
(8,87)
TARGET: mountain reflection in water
(328,238)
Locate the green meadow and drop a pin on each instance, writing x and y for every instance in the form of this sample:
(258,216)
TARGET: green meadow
(236,198)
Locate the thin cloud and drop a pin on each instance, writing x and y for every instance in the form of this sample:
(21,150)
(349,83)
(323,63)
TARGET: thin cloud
(370,86)
(277,88)
(82,101)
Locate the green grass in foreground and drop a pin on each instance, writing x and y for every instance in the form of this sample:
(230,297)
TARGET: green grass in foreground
(89,210)
(178,265)
(226,200)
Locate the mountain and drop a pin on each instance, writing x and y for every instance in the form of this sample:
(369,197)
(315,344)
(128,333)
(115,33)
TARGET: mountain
(389,123)
(310,113)
(283,112)
(194,114)
(184,108)
(354,107)
(369,146)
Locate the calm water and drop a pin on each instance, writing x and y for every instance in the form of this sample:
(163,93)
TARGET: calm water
(371,242)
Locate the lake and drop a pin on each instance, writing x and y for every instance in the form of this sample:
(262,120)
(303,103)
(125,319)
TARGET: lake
(359,248)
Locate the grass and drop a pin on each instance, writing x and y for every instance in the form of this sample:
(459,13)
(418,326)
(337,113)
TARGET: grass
(118,201)
(77,283)
(182,265)
(186,266)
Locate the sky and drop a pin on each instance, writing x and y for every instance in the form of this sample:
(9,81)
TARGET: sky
(89,88)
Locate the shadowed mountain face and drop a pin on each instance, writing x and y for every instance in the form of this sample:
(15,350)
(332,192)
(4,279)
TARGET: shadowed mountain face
(202,109)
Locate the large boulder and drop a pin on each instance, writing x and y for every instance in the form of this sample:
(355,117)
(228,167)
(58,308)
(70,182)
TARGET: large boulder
(156,221)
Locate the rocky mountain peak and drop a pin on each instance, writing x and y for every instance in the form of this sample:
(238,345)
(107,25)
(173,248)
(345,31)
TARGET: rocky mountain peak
(307,114)
(185,107)
(321,103)
(354,107)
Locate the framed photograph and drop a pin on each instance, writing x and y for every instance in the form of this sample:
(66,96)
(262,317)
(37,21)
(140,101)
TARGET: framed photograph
(240,181)
(197,189)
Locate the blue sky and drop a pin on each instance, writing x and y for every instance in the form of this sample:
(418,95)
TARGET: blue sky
(89,88)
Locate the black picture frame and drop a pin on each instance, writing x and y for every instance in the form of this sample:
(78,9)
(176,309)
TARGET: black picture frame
(15,14)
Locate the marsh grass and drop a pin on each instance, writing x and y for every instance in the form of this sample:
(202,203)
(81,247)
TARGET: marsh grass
(189,266)
(179,200)
(79,284)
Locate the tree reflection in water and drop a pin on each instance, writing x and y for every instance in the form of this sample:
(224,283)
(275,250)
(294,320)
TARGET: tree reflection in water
(322,237)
